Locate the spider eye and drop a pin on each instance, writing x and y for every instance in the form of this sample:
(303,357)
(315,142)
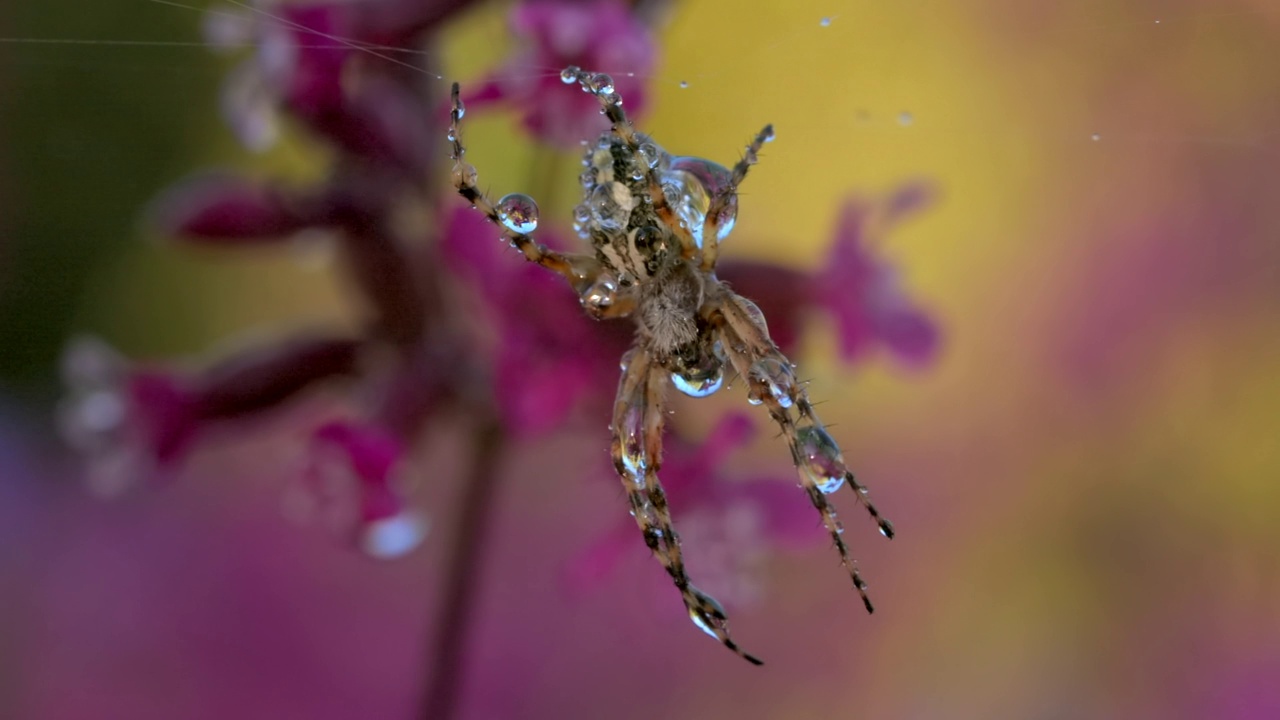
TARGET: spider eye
(691,184)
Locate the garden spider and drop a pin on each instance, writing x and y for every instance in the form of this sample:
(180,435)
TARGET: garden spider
(656,221)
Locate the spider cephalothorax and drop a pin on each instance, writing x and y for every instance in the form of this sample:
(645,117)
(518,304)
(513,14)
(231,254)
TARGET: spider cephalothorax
(656,222)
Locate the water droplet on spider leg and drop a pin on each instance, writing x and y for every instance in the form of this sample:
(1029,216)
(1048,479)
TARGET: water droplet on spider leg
(771,377)
(630,431)
(602,84)
(684,84)
(569,75)
(886,528)
(459,110)
(822,461)
(518,213)
(588,178)
(698,386)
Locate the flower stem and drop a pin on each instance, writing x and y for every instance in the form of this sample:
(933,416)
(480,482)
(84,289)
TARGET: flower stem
(448,661)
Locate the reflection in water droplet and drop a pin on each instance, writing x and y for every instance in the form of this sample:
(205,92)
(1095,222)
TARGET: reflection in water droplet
(823,462)
(689,184)
(695,385)
(569,75)
(650,153)
(610,205)
(773,378)
(602,84)
(518,213)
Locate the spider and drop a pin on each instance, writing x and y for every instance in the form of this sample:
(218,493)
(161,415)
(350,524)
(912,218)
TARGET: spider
(655,222)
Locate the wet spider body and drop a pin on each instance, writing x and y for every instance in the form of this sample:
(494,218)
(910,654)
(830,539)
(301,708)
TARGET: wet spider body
(655,222)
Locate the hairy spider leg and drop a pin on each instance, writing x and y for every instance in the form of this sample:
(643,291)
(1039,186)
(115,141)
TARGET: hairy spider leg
(620,125)
(771,381)
(637,427)
(710,228)
(596,288)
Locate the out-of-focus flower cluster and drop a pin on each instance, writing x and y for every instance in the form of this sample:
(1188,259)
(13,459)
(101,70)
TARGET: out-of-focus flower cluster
(454,320)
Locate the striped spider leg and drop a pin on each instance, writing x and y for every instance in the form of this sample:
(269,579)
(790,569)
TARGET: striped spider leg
(771,381)
(655,222)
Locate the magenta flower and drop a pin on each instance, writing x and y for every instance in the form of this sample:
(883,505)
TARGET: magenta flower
(548,354)
(356,480)
(728,524)
(134,423)
(603,35)
(861,291)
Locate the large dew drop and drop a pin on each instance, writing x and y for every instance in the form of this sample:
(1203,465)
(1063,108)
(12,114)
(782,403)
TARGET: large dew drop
(518,213)
(698,385)
(823,462)
(690,184)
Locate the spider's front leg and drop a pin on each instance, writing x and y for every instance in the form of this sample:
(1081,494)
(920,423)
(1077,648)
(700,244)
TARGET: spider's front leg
(516,215)
(637,455)
(771,382)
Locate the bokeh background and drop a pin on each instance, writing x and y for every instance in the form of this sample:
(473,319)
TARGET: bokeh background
(1084,483)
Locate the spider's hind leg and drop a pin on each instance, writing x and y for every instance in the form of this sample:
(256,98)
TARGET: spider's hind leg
(771,382)
(637,455)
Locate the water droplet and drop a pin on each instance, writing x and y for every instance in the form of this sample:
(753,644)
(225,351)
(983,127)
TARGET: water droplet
(460,110)
(886,528)
(698,386)
(394,536)
(588,178)
(689,185)
(774,378)
(650,153)
(825,22)
(684,84)
(823,462)
(569,75)
(905,118)
(518,213)
(768,133)
(452,137)
(1095,137)
(1157,22)
(602,84)
(630,434)
(610,205)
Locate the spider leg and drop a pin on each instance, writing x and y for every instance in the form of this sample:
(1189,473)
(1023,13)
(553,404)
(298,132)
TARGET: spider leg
(726,195)
(597,289)
(771,381)
(637,427)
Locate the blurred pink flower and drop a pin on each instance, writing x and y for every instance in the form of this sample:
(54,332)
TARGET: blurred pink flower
(549,355)
(859,289)
(600,35)
(361,468)
(135,423)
